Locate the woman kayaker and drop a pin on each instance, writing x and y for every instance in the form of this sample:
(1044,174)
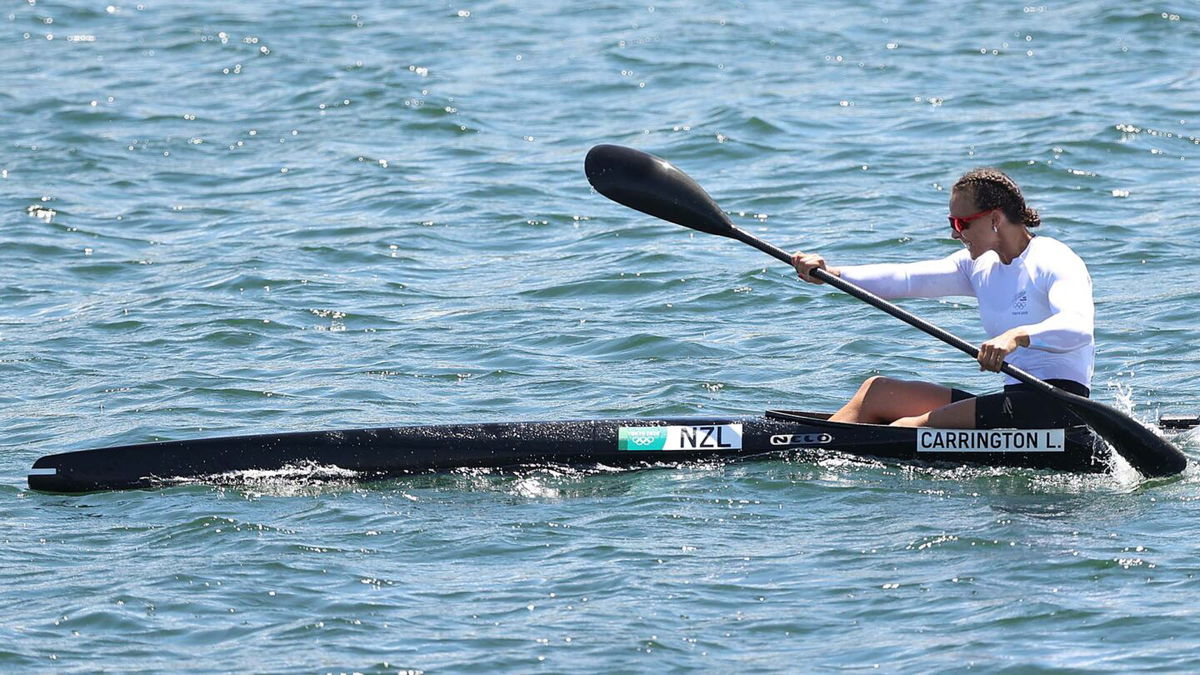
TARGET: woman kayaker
(1035,300)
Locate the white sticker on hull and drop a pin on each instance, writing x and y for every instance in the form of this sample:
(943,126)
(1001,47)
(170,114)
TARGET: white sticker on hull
(801,440)
(991,440)
(699,437)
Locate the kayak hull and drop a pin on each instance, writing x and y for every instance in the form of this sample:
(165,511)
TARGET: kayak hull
(369,454)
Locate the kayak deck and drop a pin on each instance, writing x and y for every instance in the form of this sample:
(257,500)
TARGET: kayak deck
(385,452)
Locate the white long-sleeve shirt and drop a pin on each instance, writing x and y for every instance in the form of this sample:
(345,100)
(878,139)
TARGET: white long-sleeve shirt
(1047,289)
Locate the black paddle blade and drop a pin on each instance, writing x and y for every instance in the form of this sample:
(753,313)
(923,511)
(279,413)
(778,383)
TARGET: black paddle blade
(651,185)
(1149,453)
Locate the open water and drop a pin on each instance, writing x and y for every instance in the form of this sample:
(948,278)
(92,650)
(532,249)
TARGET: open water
(226,217)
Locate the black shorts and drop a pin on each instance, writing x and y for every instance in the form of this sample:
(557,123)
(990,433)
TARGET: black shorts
(1020,406)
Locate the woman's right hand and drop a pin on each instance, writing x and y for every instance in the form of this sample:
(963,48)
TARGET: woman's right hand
(805,263)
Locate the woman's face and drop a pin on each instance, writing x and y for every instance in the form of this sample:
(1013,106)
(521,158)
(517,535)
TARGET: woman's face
(979,236)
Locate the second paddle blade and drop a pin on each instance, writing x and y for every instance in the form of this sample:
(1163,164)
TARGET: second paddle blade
(652,185)
(1145,451)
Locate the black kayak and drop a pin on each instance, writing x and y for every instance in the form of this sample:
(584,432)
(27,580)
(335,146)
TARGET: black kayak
(372,454)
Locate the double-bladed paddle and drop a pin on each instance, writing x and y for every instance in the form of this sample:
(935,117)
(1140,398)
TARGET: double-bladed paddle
(652,185)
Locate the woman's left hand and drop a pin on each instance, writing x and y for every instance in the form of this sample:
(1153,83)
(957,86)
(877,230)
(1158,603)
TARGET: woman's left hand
(993,352)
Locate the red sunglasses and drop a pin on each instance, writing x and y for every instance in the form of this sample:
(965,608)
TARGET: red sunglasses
(960,224)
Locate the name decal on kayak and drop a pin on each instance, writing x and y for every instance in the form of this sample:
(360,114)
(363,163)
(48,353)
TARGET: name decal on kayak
(698,437)
(991,440)
(801,440)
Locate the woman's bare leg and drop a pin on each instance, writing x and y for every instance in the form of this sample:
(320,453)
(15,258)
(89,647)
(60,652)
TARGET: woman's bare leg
(882,400)
(957,415)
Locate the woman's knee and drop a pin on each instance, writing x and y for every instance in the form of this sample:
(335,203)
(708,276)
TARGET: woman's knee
(876,382)
(886,400)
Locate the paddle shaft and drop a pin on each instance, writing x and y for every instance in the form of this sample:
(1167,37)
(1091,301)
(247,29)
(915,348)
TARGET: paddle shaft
(879,303)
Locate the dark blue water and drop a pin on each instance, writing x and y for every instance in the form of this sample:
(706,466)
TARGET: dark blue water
(234,218)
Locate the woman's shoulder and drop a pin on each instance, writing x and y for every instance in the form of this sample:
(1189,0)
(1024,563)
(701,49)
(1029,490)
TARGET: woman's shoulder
(1041,241)
(961,259)
(1052,256)
(1042,246)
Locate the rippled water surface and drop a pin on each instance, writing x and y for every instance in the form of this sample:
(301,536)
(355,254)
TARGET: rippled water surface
(227,218)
